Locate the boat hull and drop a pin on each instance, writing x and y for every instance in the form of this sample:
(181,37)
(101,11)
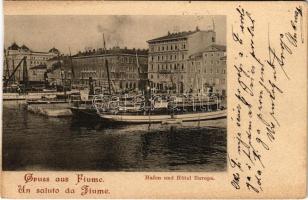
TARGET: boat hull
(189,117)
(84,113)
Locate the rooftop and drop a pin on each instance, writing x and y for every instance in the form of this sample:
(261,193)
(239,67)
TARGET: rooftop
(14,46)
(24,47)
(114,51)
(58,58)
(176,35)
(54,50)
(211,48)
(216,47)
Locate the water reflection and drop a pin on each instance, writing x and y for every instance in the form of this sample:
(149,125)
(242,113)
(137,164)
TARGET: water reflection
(33,142)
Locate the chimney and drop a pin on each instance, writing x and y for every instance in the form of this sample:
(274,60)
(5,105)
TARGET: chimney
(197,28)
(168,32)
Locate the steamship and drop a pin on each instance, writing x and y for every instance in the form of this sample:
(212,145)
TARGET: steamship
(160,109)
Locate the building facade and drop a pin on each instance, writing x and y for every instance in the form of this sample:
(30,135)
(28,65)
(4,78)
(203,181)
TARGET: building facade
(169,55)
(14,54)
(127,68)
(207,70)
(38,73)
(59,70)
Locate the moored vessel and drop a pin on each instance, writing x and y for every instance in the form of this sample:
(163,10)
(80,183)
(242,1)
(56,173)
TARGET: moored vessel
(158,109)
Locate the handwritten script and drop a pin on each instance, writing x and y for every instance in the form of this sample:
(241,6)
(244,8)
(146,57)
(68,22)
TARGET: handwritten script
(257,91)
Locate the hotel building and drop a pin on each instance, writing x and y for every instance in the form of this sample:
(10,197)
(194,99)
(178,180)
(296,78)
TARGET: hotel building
(168,57)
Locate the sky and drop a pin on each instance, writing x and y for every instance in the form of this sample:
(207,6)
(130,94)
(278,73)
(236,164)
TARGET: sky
(77,33)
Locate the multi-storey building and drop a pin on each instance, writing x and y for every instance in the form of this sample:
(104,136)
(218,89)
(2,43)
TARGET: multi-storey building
(59,70)
(34,61)
(127,68)
(38,73)
(168,58)
(207,70)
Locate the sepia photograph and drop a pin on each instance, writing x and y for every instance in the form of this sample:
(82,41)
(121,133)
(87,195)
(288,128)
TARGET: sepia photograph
(115,93)
(122,99)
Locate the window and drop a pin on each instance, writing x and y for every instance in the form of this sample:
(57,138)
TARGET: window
(205,70)
(217,71)
(211,71)
(212,62)
(217,81)
(212,54)
(223,71)
(167,47)
(163,48)
(175,47)
(183,56)
(171,47)
(217,62)
(213,39)
(152,67)
(182,67)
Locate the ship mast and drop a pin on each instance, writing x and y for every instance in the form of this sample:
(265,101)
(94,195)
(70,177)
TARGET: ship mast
(138,68)
(106,64)
(7,65)
(72,67)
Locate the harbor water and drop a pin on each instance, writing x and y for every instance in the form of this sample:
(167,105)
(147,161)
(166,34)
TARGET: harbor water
(35,142)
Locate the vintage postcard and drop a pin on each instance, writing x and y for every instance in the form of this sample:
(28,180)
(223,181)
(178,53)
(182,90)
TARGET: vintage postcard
(154,99)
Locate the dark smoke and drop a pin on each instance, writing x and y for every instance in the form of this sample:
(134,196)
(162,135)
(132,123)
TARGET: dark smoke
(113,32)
